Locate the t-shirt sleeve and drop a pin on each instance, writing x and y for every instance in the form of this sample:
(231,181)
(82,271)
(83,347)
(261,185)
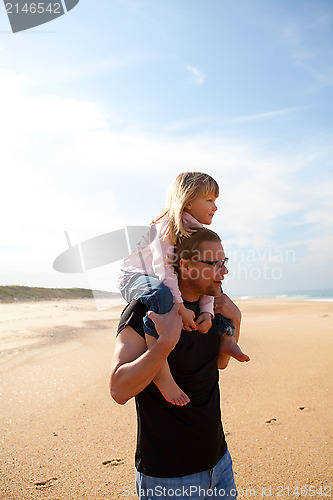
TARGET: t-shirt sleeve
(132,316)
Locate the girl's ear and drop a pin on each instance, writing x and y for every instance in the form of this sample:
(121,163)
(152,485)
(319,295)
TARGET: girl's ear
(188,206)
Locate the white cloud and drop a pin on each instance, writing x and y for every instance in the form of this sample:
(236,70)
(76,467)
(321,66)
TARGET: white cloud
(198,77)
(267,114)
(310,48)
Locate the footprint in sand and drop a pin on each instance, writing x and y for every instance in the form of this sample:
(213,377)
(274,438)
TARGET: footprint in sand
(113,462)
(304,408)
(272,421)
(41,485)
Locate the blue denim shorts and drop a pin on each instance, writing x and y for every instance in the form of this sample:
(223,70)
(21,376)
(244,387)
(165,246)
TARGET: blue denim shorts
(218,482)
(149,291)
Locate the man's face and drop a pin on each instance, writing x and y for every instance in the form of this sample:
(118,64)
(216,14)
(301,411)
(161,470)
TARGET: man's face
(205,278)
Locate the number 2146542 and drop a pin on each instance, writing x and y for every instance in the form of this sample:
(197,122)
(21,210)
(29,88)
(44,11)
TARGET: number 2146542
(304,491)
(34,8)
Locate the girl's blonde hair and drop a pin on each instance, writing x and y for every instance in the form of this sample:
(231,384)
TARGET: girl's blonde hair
(185,188)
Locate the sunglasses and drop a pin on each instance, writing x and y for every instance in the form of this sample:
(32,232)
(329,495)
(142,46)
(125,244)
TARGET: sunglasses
(217,264)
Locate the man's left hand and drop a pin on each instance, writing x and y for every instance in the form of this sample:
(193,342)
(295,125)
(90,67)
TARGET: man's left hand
(225,306)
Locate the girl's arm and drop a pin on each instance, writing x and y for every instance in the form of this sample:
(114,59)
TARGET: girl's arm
(206,304)
(162,256)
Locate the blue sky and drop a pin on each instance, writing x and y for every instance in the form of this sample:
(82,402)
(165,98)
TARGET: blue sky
(103,107)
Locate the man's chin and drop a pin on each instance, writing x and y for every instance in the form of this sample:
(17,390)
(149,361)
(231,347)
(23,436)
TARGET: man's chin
(214,291)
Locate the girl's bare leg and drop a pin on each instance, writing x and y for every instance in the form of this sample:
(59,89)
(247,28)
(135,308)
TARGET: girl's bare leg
(228,345)
(166,383)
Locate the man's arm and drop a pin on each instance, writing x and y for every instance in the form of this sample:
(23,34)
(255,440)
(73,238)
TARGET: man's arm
(133,367)
(225,306)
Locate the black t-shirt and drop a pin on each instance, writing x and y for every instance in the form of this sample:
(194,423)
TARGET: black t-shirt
(174,441)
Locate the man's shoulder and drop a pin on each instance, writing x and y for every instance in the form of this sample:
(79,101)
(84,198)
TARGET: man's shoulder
(132,316)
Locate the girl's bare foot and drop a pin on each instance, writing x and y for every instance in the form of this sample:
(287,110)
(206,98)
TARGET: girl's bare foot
(171,391)
(228,345)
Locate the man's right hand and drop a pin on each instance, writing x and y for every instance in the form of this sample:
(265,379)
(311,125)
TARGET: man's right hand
(134,366)
(168,326)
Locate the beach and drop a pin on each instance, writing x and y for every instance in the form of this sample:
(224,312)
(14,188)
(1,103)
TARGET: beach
(63,437)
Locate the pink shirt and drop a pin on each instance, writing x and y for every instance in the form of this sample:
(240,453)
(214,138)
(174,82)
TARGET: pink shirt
(154,258)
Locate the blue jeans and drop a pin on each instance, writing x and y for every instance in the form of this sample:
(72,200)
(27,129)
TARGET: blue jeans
(223,324)
(149,291)
(213,483)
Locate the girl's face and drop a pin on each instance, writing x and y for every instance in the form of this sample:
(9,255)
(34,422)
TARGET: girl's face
(202,209)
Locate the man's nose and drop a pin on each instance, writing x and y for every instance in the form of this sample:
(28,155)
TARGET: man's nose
(223,270)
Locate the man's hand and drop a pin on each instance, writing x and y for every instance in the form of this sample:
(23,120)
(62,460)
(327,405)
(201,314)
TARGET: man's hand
(168,326)
(225,306)
(133,366)
(188,318)
(204,322)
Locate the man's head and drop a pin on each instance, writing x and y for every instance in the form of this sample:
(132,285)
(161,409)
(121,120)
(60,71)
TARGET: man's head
(195,277)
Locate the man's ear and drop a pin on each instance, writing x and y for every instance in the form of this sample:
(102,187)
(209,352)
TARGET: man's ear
(184,266)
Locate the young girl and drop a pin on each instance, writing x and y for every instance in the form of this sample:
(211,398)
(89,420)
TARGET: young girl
(148,276)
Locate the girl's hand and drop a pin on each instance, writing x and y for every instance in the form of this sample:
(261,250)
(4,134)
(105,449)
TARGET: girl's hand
(187,317)
(204,322)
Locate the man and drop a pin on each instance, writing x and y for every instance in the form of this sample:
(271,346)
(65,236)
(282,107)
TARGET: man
(181,450)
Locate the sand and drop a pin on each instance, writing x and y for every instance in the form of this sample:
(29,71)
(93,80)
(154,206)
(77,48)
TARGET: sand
(64,438)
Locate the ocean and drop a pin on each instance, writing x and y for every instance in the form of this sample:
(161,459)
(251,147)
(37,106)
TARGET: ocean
(321,295)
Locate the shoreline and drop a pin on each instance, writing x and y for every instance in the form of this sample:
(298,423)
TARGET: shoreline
(16,293)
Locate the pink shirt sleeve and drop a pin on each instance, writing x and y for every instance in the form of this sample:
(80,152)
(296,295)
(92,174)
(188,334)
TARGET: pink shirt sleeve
(162,254)
(206,304)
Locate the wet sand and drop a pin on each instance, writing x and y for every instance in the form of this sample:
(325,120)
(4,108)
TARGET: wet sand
(64,438)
